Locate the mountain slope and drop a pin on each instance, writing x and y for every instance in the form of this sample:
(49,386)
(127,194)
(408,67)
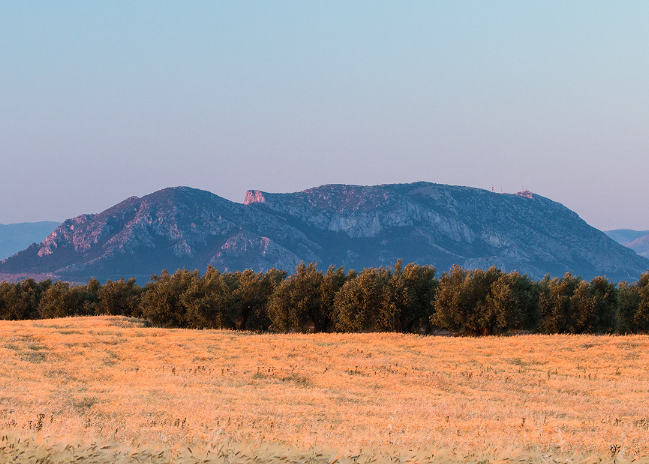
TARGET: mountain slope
(16,237)
(637,240)
(354,226)
(445,225)
(640,246)
(168,229)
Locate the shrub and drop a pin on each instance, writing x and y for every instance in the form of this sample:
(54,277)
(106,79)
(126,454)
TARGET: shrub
(461,301)
(119,298)
(59,301)
(363,303)
(296,304)
(555,302)
(412,291)
(641,318)
(161,302)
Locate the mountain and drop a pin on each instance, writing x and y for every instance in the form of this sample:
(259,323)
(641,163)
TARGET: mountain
(169,229)
(445,225)
(16,237)
(354,226)
(637,240)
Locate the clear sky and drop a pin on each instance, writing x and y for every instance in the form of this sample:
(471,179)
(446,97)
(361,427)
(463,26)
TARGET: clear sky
(100,101)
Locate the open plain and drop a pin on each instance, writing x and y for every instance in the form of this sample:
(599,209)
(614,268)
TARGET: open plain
(110,389)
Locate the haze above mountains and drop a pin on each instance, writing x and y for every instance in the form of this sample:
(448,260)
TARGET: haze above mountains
(343,225)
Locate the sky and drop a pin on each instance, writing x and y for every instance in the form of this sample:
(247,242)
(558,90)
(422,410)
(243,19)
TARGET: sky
(100,101)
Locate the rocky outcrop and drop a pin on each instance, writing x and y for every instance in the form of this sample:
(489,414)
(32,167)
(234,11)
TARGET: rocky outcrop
(354,226)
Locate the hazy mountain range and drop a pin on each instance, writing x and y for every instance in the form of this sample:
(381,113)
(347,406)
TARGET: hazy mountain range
(16,237)
(637,240)
(354,226)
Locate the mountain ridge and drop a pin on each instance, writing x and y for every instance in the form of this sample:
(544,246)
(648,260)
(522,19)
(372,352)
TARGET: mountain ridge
(637,240)
(16,237)
(351,225)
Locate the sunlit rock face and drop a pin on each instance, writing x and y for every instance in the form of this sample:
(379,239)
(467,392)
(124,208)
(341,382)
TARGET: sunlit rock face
(354,226)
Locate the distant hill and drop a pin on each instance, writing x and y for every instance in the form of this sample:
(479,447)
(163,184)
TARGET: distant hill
(637,240)
(354,226)
(16,237)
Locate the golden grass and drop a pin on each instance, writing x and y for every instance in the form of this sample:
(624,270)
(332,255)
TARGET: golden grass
(110,381)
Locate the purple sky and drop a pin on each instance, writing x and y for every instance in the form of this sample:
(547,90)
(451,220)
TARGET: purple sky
(103,100)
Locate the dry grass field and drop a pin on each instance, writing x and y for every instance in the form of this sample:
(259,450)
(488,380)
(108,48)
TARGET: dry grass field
(108,389)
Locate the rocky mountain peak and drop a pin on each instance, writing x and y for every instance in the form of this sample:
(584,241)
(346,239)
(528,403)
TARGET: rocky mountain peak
(254,196)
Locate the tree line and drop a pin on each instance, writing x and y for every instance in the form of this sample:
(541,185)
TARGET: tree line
(401,298)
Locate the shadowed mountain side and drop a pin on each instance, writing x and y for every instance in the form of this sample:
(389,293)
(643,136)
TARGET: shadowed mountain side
(354,226)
